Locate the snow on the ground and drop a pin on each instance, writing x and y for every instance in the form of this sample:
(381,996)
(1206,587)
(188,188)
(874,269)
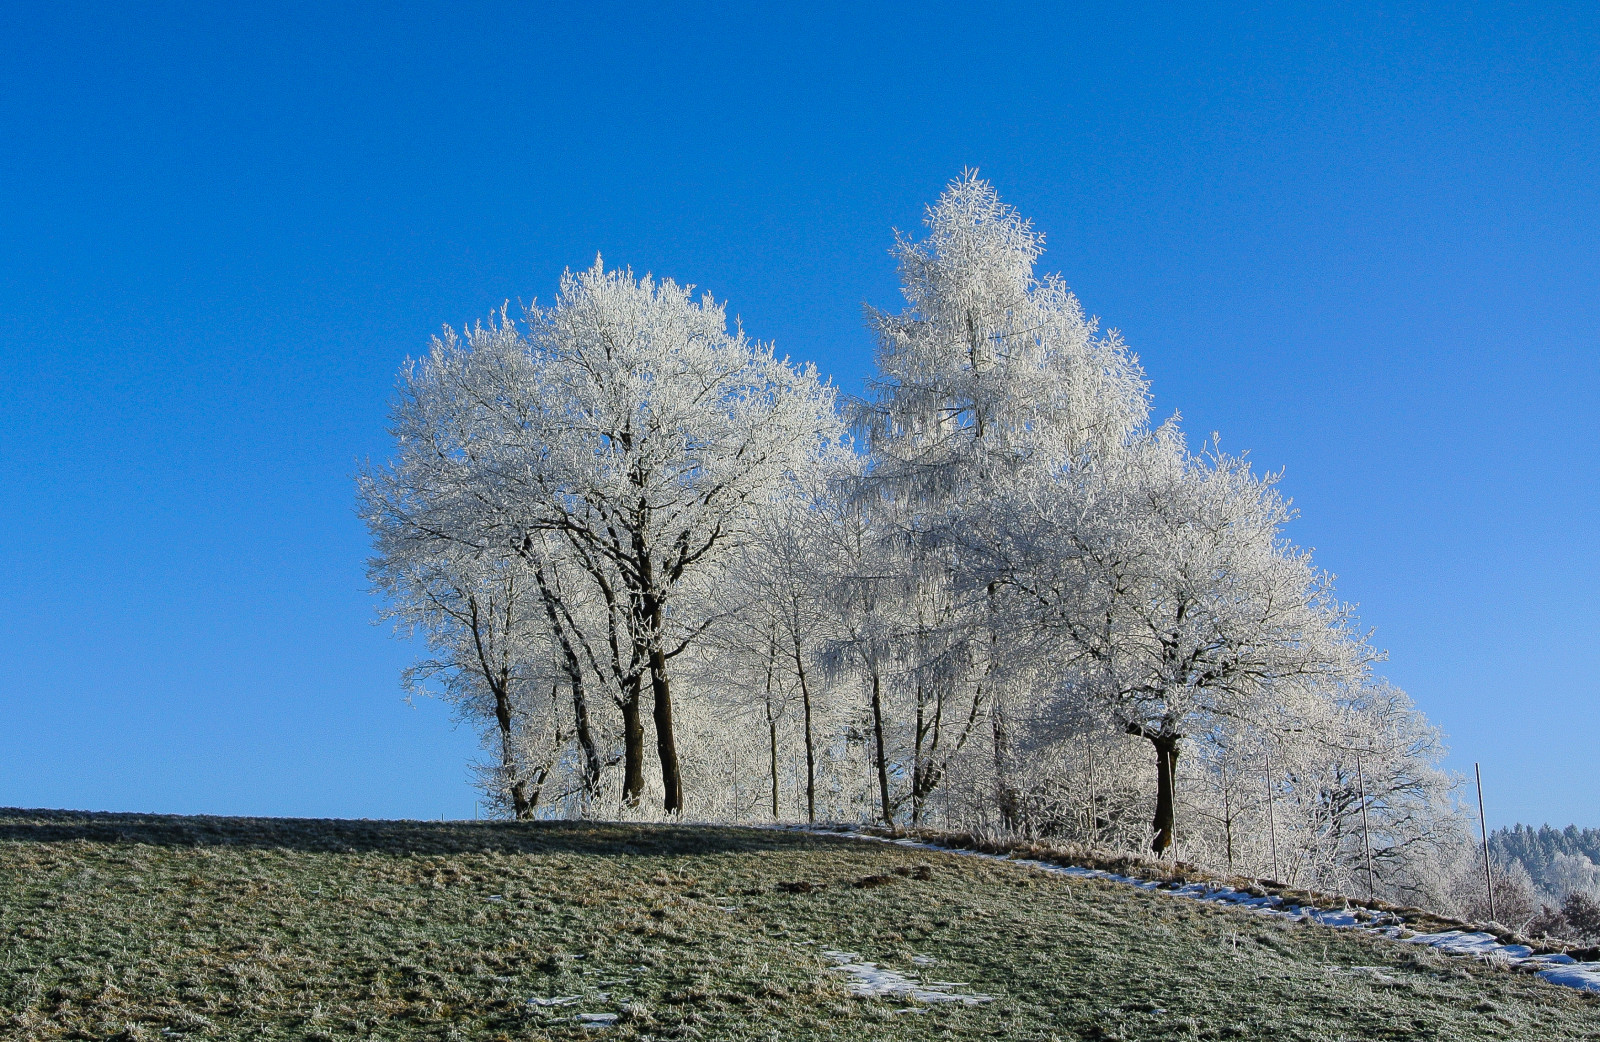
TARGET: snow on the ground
(870,980)
(1585,976)
(588,1020)
(1557,969)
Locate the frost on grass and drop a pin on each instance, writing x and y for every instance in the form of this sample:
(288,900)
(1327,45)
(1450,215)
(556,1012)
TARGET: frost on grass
(870,980)
(1563,970)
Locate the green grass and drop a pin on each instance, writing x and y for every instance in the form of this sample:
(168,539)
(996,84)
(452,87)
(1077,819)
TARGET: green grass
(155,927)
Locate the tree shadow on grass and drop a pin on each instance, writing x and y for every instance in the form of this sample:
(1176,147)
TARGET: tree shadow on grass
(400,838)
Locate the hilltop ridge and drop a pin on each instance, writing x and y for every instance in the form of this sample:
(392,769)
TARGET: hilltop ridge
(151,926)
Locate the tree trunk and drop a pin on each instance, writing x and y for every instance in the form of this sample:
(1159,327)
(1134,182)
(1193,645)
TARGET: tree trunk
(883,763)
(1006,796)
(772,727)
(811,756)
(661,689)
(666,744)
(580,697)
(918,766)
(592,764)
(652,613)
(521,805)
(1227,813)
(499,680)
(541,774)
(772,722)
(1166,791)
(632,744)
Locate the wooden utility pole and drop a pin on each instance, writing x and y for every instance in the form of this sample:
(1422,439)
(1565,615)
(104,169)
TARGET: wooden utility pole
(1483,829)
(1272,821)
(1366,837)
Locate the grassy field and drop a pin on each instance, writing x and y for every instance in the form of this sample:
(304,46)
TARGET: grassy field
(134,927)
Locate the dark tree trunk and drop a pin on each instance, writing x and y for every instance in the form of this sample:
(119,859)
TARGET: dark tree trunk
(1007,798)
(541,774)
(811,756)
(521,805)
(499,680)
(666,744)
(883,763)
(772,726)
(632,744)
(930,769)
(649,634)
(1166,791)
(592,764)
(580,698)
(918,765)
(1227,814)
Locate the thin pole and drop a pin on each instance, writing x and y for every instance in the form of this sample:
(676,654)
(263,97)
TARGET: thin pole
(1366,837)
(1272,819)
(1483,826)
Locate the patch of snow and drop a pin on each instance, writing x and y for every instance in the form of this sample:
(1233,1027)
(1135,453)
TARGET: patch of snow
(1459,942)
(597,1020)
(870,980)
(1585,976)
(560,1000)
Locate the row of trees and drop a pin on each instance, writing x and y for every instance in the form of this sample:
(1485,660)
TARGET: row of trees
(969,598)
(1547,880)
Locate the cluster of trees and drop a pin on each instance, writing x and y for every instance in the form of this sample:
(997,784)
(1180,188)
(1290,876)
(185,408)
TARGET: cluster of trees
(990,594)
(1548,880)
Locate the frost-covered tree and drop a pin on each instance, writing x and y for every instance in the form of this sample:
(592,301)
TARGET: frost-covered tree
(633,426)
(479,614)
(618,519)
(1357,782)
(776,594)
(989,367)
(1163,583)
(869,586)
(989,370)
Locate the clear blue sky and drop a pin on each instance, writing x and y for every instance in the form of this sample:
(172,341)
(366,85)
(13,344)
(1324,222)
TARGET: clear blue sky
(1360,244)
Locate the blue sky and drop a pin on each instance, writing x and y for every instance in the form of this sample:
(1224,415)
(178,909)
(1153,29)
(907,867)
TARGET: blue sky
(1361,243)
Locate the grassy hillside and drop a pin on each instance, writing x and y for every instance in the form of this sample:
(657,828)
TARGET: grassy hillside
(164,927)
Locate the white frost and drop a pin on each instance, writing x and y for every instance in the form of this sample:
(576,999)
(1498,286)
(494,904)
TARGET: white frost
(1557,969)
(870,980)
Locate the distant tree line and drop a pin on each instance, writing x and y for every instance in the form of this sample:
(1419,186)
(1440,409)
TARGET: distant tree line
(1551,878)
(667,572)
